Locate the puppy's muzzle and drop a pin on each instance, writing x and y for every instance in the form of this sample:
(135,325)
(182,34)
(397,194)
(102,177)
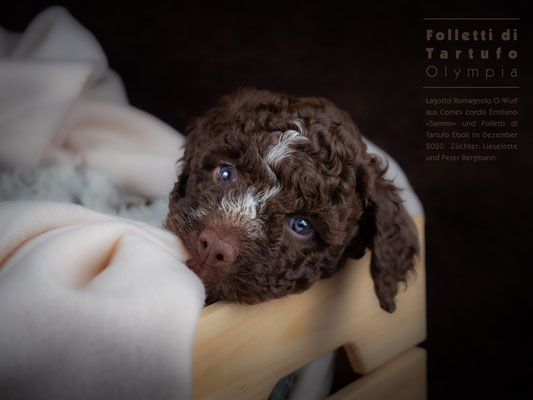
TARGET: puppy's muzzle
(214,251)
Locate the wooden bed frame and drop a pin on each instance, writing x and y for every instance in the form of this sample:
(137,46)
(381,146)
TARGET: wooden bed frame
(242,351)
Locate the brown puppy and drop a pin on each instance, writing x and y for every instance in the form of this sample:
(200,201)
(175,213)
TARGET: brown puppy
(275,192)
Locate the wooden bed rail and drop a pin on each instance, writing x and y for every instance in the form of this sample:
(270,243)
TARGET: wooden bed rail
(242,351)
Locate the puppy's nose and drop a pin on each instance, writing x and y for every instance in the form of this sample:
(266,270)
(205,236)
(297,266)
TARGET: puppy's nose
(215,251)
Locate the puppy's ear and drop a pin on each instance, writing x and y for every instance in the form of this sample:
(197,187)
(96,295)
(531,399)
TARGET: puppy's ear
(386,229)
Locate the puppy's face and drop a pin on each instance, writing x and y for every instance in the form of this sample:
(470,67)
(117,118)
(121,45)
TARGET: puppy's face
(275,192)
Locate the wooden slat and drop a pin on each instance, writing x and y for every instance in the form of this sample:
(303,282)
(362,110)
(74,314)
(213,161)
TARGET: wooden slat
(402,378)
(242,351)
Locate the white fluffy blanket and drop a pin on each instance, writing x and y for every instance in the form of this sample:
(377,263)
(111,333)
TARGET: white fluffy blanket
(91,306)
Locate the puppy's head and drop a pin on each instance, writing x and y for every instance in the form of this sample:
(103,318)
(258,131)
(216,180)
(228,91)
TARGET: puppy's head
(276,191)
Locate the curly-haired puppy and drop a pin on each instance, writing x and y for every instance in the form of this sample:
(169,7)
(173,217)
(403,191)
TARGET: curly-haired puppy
(275,192)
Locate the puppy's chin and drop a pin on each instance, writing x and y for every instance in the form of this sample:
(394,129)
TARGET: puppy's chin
(212,277)
(211,299)
(200,269)
(220,284)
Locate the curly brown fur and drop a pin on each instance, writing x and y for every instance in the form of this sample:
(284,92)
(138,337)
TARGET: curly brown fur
(326,176)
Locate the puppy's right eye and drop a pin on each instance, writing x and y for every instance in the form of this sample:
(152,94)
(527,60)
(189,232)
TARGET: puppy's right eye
(225,173)
(300,226)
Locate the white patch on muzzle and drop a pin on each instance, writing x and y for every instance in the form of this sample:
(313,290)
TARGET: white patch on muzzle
(263,197)
(242,206)
(246,207)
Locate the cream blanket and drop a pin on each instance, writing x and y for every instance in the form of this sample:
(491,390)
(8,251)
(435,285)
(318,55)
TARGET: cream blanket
(91,306)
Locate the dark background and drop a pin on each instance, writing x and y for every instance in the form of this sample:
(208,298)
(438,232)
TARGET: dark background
(176,59)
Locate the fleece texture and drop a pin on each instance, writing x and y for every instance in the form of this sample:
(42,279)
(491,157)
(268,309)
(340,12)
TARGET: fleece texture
(91,305)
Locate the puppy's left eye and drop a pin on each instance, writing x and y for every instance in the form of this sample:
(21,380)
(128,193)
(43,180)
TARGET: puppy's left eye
(225,173)
(300,226)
